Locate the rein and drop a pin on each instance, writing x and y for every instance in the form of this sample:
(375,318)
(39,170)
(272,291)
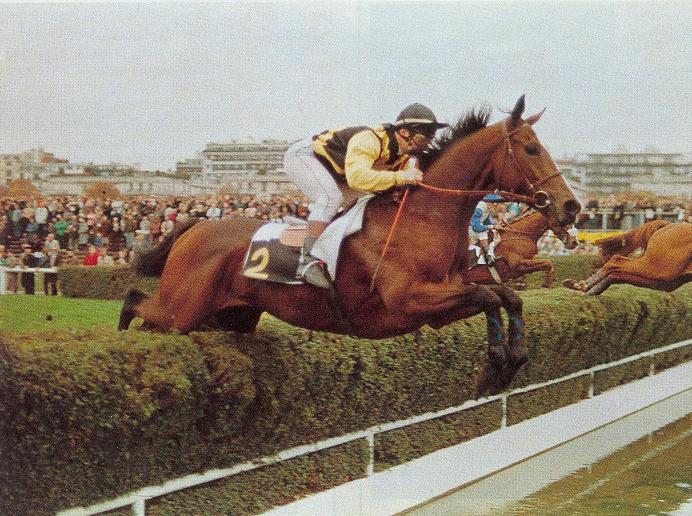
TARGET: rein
(464,193)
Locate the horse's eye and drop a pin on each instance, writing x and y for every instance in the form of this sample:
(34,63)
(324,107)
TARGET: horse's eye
(531,149)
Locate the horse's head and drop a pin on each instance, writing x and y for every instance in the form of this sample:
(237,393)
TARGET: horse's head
(522,165)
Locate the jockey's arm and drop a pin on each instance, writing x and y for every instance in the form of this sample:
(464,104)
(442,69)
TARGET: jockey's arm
(362,152)
(477,224)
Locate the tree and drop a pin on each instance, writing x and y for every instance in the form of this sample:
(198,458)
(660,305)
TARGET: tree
(102,190)
(23,188)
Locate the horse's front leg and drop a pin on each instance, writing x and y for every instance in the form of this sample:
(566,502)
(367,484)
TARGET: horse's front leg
(529,266)
(513,304)
(443,303)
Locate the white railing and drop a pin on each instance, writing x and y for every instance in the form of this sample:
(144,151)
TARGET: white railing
(31,270)
(137,499)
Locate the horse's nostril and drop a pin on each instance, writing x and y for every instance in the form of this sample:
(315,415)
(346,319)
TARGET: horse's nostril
(572,207)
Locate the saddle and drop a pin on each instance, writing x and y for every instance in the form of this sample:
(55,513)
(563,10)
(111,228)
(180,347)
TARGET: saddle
(274,252)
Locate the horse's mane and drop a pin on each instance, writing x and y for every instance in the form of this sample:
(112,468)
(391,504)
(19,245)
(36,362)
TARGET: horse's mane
(466,125)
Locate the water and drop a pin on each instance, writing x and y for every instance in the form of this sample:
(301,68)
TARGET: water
(641,464)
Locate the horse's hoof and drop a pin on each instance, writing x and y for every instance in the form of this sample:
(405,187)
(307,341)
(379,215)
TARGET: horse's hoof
(488,381)
(570,283)
(518,356)
(497,356)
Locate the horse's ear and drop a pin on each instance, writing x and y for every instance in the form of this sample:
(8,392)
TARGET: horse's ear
(518,110)
(535,118)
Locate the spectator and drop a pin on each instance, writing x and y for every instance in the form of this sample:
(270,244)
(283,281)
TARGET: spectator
(92,257)
(50,279)
(104,258)
(51,242)
(28,260)
(11,262)
(41,218)
(141,242)
(123,257)
(4,264)
(61,225)
(82,233)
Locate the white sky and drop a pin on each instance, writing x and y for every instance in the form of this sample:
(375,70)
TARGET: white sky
(152,83)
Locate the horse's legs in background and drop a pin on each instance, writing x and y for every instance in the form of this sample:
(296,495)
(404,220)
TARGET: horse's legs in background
(528,266)
(640,272)
(600,286)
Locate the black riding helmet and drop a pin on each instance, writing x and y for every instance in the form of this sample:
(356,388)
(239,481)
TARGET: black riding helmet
(420,119)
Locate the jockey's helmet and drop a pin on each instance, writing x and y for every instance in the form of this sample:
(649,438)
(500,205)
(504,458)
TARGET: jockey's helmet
(419,119)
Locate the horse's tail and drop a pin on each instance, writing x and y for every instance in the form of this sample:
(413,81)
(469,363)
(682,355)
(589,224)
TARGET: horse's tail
(629,242)
(151,262)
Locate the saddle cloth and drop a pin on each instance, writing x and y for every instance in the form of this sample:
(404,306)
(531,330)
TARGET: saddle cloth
(274,252)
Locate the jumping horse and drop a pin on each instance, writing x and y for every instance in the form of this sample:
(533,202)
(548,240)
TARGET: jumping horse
(418,282)
(518,246)
(666,263)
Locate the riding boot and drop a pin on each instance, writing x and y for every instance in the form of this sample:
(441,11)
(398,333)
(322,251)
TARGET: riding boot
(313,270)
(487,257)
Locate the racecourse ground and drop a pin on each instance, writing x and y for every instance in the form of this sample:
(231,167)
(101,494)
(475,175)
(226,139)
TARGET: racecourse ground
(20,313)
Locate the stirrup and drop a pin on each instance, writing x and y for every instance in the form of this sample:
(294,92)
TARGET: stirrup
(314,273)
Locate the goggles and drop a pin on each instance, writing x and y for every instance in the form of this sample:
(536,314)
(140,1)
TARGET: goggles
(420,138)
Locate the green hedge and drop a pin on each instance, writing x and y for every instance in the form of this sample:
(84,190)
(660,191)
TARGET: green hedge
(102,282)
(86,416)
(113,282)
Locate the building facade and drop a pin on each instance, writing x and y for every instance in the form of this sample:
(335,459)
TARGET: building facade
(664,174)
(239,163)
(190,166)
(34,164)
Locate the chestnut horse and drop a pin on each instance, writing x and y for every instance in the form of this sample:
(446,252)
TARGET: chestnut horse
(666,263)
(518,246)
(201,284)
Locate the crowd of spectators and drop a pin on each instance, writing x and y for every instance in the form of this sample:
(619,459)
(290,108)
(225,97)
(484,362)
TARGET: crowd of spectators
(54,230)
(111,229)
(651,207)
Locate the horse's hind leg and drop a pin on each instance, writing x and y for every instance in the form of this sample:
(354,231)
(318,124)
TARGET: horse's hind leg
(132,300)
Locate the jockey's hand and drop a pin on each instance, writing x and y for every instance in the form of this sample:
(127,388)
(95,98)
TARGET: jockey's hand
(409,176)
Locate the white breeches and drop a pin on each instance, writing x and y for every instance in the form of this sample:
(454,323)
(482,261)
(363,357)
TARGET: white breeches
(315,181)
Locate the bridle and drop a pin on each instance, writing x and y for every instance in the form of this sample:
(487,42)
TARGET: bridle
(533,182)
(539,198)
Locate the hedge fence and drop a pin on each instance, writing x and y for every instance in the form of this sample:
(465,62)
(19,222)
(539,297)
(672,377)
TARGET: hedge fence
(86,416)
(113,282)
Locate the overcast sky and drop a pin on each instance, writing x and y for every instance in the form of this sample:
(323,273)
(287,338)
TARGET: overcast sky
(153,83)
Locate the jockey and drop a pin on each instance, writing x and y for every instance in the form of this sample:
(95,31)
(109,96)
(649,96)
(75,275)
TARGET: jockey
(354,161)
(481,223)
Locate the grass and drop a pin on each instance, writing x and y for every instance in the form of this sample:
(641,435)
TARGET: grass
(20,313)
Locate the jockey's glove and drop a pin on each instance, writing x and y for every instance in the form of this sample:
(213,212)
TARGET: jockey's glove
(409,176)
